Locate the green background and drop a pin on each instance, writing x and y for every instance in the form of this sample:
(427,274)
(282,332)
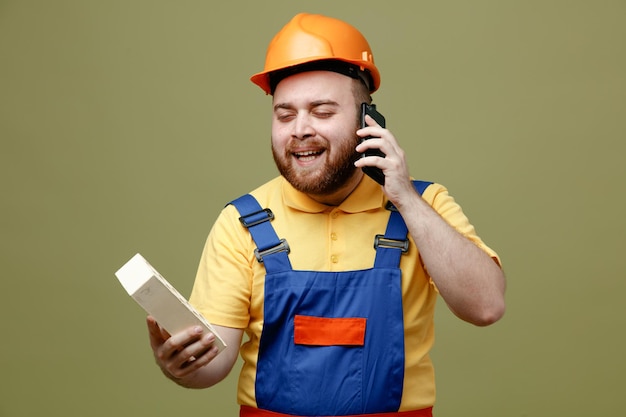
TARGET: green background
(125,126)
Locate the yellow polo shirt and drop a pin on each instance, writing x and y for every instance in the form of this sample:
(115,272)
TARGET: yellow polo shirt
(229,285)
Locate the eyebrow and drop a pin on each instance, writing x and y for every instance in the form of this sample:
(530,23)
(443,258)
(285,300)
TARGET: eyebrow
(312,104)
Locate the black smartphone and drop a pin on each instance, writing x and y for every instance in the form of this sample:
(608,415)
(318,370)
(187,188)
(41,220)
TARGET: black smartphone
(376,173)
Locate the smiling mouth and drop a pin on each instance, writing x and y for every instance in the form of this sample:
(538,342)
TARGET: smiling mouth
(307,156)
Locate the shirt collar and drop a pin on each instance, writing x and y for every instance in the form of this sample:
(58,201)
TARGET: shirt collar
(368,195)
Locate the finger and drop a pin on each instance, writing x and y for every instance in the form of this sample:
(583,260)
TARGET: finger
(371,128)
(373,143)
(157,337)
(191,365)
(193,357)
(203,359)
(198,353)
(152,325)
(170,355)
(179,341)
(369,121)
(370,132)
(164,333)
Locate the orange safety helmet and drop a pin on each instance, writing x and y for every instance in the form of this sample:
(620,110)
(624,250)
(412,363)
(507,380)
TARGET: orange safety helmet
(315,42)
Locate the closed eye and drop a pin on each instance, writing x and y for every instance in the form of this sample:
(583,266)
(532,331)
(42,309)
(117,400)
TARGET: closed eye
(323,114)
(285,116)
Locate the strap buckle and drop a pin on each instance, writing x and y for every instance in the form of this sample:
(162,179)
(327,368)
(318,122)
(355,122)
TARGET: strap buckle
(382,241)
(390,206)
(283,246)
(249,220)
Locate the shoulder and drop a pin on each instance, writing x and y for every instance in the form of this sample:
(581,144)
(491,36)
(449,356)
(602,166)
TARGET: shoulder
(228,222)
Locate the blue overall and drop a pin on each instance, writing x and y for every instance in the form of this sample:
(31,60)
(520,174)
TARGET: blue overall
(304,372)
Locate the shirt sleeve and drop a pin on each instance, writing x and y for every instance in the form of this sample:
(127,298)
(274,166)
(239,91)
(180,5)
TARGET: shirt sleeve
(222,288)
(447,207)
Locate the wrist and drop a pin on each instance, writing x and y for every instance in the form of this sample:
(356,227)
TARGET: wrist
(409,201)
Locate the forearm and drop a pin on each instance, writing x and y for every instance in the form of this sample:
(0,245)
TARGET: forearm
(206,376)
(468,279)
(219,367)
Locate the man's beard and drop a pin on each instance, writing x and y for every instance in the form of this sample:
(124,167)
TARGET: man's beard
(325,180)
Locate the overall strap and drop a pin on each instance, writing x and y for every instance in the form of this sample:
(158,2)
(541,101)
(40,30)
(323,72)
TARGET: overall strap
(390,246)
(271,251)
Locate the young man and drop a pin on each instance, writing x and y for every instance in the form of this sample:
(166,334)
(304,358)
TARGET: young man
(332,277)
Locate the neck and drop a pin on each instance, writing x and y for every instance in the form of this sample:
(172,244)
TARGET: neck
(337,197)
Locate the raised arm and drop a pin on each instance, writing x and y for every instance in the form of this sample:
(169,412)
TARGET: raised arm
(468,279)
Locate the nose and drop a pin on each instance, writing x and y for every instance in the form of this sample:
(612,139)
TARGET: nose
(302,126)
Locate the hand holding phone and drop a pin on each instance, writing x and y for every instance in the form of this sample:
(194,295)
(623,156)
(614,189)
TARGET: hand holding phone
(374,172)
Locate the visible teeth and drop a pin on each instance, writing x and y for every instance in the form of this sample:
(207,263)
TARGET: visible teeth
(307,156)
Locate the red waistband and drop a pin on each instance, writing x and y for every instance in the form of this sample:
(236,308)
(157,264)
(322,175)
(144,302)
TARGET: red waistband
(246,411)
